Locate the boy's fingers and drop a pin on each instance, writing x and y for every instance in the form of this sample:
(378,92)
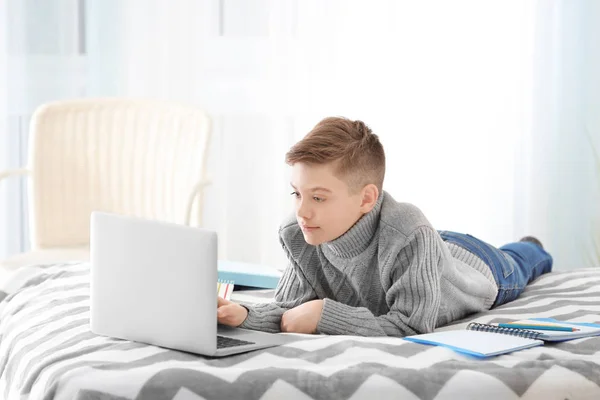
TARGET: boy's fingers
(222,302)
(229,315)
(225,311)
(224,316)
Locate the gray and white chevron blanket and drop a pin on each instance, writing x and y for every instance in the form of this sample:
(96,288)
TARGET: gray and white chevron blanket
(48,352)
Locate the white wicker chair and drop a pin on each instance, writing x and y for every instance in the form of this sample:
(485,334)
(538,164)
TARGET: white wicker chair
(131,157)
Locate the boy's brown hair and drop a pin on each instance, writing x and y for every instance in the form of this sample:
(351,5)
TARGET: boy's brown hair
(356,150)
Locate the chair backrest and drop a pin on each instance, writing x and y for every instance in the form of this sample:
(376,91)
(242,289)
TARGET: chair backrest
(131,157)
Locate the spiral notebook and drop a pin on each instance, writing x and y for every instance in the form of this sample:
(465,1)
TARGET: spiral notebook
(486,340)
(476,342)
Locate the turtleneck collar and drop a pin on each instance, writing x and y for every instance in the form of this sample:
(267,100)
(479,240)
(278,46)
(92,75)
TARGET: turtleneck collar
(357,238)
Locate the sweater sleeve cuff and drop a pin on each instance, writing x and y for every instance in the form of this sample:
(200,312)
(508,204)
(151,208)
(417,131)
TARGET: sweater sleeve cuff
(263,317)
(341,319)
(332,318)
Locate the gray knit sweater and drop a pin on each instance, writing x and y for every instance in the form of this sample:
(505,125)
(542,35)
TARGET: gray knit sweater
(390,274)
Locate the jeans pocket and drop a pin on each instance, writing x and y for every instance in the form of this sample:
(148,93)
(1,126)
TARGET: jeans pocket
(508,266)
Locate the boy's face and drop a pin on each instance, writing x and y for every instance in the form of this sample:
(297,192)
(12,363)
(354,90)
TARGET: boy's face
(325,208)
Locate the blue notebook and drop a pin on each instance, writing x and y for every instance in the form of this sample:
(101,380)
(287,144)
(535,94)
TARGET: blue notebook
(476,343)
(487,340)
(246,274)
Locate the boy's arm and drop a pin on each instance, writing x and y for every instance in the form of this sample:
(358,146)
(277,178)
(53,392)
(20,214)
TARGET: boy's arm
(293,289)
(413,297)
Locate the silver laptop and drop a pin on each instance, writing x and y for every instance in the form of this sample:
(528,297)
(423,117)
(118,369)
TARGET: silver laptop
(156,283)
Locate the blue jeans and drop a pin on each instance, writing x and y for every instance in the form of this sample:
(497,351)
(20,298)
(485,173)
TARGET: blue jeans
(513,265)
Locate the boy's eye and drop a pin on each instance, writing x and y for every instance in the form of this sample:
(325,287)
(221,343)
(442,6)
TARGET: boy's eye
(318,199)
(295,194)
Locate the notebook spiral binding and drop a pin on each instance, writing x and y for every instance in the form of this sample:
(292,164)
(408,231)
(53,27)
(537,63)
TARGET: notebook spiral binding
(475,326)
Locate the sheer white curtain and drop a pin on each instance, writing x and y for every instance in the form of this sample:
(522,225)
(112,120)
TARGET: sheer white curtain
(41,59)
(3,130)
(591,98)
(557,187)
(480,105)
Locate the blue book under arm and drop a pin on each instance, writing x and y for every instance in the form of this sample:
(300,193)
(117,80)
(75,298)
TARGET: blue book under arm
(247,274)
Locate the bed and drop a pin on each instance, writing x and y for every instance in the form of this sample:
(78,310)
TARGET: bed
(48,352)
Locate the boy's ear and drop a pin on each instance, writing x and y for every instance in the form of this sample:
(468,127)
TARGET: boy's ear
(370,194)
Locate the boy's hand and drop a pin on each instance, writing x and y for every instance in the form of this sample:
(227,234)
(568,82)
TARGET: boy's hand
(302,319)
(230,313)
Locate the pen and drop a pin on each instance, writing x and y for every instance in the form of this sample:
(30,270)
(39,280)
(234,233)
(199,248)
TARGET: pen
(540,327)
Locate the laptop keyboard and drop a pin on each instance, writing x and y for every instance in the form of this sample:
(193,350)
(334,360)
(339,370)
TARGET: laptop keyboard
(224,342)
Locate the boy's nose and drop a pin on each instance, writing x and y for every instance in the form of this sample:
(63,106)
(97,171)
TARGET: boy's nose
(303,211)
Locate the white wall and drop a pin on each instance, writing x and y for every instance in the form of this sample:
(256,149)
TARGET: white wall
(447,103)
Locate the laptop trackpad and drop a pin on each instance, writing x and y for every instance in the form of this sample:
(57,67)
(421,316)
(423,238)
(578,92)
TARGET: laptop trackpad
(257,336)
(244,334)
